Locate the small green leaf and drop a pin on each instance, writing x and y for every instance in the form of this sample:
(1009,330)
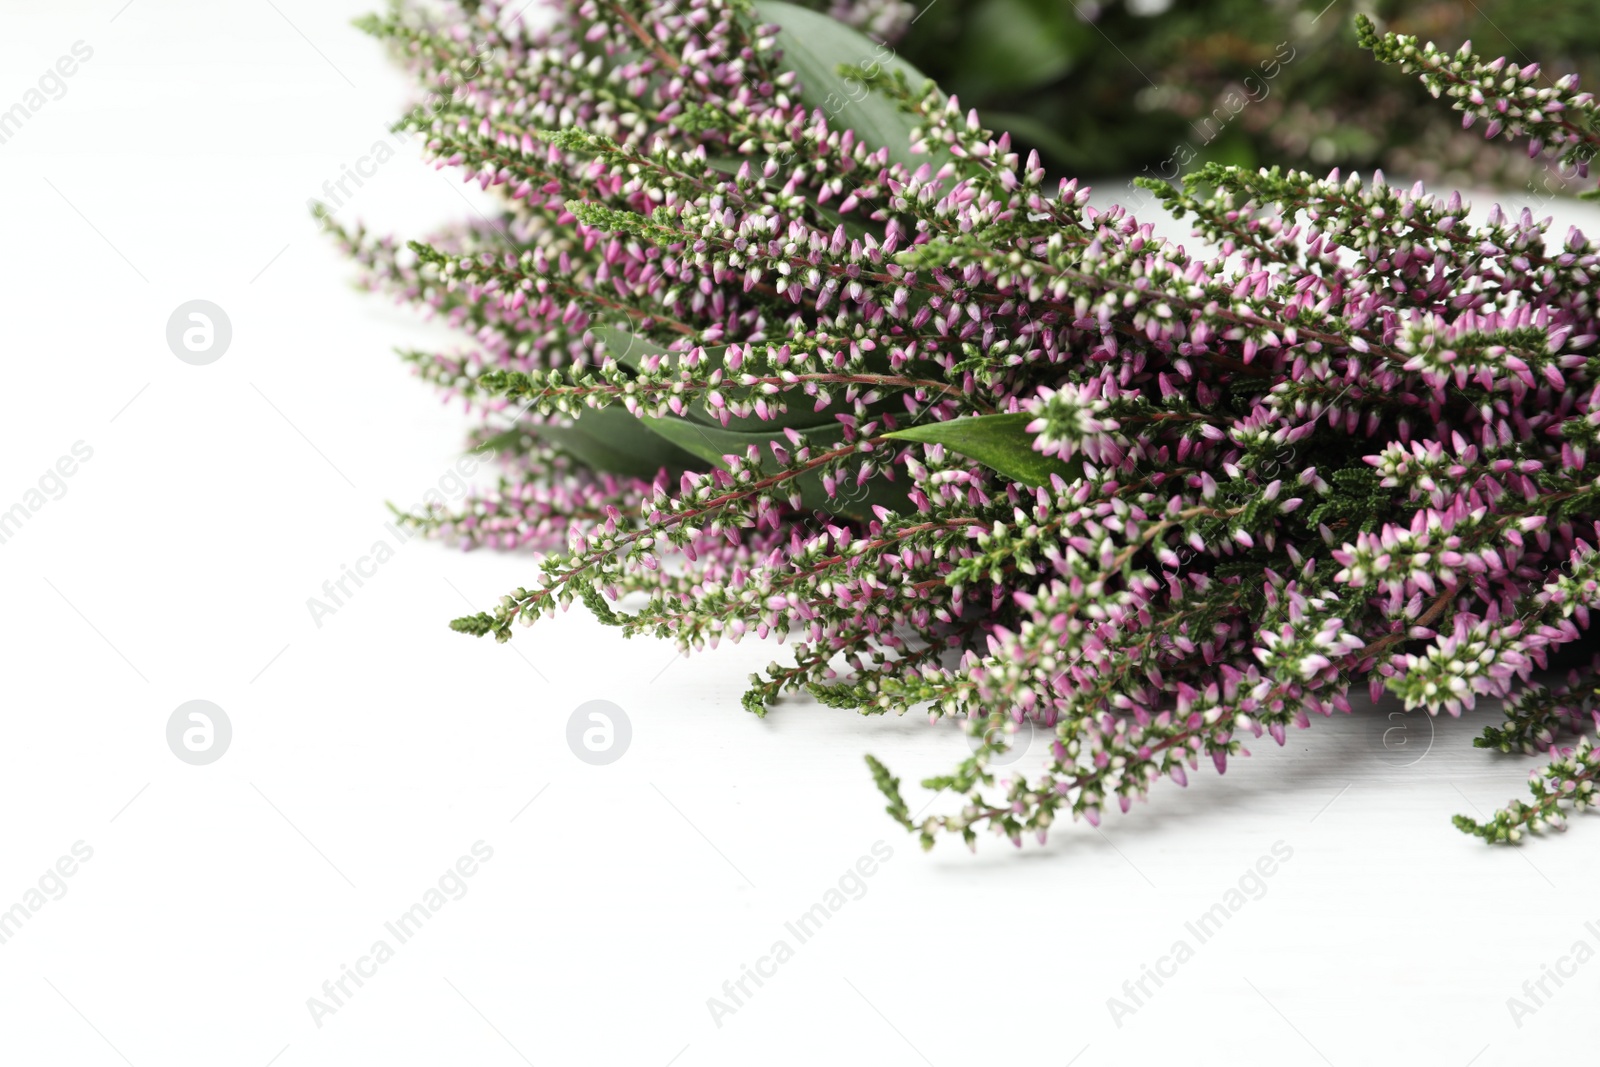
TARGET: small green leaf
(889,786)
(1000,442)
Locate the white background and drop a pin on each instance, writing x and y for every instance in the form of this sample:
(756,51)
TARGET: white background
(370,753)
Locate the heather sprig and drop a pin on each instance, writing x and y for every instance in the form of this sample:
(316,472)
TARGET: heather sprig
(1554,116)
(824,359)
(1536,714)
(1566,784)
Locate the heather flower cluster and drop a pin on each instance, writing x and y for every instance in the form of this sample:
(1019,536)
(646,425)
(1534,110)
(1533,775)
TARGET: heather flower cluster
(777,340)
(1509,98)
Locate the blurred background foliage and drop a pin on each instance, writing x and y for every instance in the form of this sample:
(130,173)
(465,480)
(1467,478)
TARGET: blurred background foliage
(1159,87)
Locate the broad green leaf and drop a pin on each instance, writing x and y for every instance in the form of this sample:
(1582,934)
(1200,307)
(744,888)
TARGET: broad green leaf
(815,47)
(801,415)
(506,443)
(615,442)
(1000,442)
(712,443)
(625,346)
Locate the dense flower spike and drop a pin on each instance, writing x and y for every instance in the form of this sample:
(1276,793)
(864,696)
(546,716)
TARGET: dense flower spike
(1511,100)
(824,359)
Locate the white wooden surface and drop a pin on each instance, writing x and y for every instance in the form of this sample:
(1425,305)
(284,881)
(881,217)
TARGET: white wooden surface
(372,752)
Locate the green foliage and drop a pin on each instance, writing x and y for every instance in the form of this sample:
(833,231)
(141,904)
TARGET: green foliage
(1566,783)
(1105,89)
(1218,491)
(611,440)
(834,64)
(889,786)
(714,444)
(1000,442)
